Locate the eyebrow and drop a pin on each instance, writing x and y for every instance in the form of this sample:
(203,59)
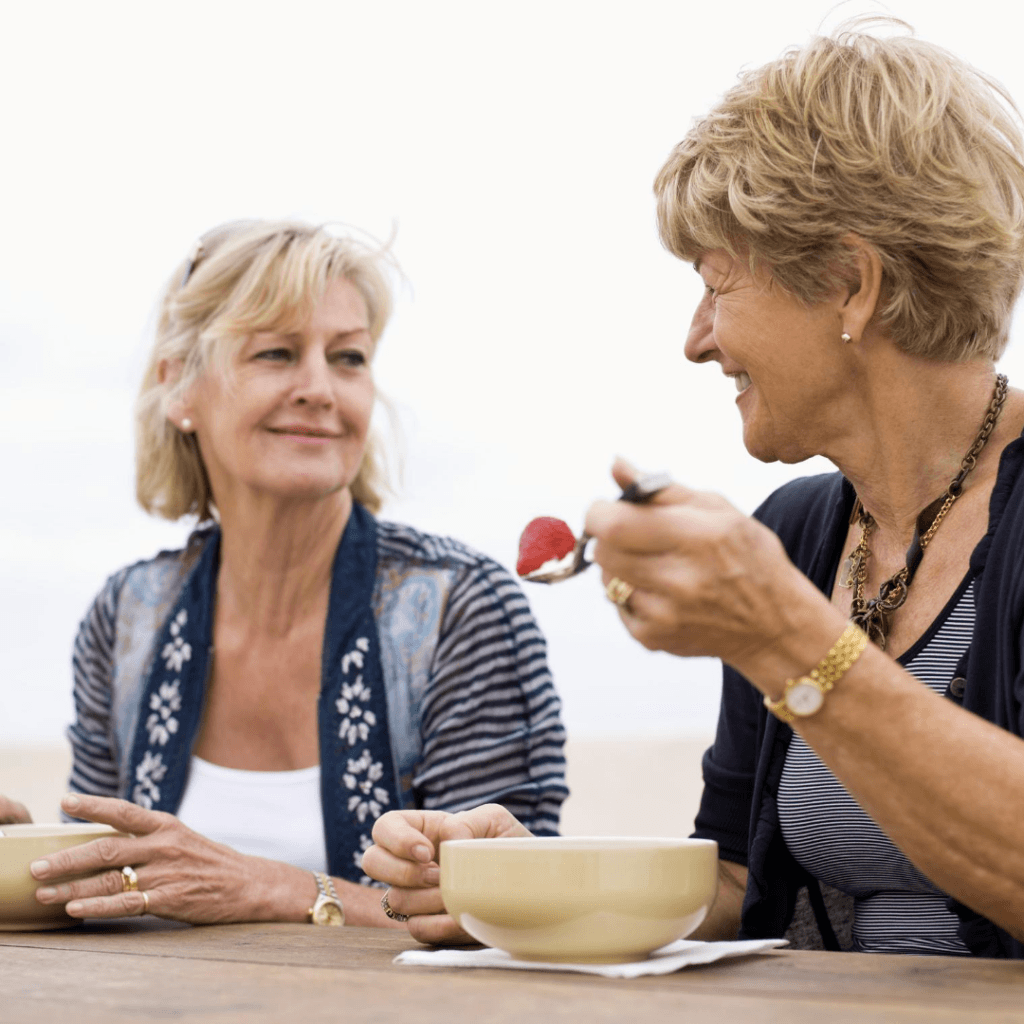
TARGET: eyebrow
(298,335)
(357,333)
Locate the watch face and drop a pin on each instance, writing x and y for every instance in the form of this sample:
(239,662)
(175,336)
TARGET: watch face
(328,914)
(804,698)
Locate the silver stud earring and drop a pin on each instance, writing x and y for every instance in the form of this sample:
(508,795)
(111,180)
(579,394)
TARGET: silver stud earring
(845,338)
(186,424)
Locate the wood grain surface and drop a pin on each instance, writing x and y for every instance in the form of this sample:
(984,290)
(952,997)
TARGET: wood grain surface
(144,969)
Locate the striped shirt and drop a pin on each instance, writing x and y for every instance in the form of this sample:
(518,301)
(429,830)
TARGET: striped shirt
(471,704)
(896,909)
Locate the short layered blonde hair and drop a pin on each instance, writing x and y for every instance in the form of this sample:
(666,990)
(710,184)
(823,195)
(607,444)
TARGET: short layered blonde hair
(242,277)
(891,139)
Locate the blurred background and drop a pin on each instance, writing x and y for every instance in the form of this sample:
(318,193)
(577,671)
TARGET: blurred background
(509,150)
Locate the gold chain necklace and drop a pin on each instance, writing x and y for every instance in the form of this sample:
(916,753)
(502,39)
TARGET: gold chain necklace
(875,616)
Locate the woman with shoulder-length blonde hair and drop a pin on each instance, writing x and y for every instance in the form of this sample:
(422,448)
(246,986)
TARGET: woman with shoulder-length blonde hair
(855,211)
(247,707)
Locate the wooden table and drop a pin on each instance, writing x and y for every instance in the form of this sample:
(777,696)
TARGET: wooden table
(148,970)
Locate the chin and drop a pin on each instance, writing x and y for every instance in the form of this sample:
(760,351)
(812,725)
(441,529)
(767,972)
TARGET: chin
(770,450)
(307,488)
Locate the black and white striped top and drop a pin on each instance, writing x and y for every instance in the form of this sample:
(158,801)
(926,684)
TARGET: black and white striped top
(471,704)
(896,909)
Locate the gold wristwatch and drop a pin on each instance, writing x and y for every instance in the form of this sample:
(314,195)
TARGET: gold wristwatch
(328,909)
(804,696)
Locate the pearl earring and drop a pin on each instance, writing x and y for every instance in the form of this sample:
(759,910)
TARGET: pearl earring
(845,338)
(186,424)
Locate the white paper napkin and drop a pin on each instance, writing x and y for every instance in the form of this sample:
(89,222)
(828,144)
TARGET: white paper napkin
(668,959)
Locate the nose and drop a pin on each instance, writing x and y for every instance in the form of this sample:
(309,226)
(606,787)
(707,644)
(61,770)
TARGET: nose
(313,383)
(700,341)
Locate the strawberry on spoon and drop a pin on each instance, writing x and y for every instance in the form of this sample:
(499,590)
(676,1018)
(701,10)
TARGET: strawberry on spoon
(544,540)
(548,551)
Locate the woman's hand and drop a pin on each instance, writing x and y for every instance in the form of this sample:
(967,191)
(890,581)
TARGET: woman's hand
(709,580)
(13,813)
(405,857)
(185,876)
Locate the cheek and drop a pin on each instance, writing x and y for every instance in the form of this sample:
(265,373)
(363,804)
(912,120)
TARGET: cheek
(360,407)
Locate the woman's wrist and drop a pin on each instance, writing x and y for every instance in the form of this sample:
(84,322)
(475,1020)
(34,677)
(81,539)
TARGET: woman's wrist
(279,891)
(806,634)
(283,892)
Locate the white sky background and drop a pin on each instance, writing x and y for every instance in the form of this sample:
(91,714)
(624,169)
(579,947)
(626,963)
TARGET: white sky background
(513,147)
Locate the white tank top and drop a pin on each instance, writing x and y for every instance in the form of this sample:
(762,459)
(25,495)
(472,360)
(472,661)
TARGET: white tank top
(277,815)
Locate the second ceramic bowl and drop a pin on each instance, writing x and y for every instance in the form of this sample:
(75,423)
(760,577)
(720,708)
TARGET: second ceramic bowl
(19,846)
(579,899)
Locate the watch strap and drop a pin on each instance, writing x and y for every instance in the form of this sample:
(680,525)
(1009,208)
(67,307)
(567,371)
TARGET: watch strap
(839,660)
(327,896)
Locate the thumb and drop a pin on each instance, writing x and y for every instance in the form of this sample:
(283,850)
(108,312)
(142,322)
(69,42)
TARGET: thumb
(624,472)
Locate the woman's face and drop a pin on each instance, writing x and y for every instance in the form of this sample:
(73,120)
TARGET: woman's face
(291,417)
(786,358)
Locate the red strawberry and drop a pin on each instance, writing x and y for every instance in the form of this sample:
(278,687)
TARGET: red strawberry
(543,539)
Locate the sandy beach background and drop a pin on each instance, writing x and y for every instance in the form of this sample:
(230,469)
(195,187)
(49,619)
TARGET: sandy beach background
(620,786)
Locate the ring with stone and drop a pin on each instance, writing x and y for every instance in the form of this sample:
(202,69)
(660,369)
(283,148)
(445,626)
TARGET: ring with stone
(619,591)
(129,880)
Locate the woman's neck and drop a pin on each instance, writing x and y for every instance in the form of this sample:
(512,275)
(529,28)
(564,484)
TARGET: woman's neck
(913,428)
(276,560)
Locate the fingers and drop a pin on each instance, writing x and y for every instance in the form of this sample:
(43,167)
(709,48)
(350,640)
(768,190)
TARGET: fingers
(110,851)
(488,821)
(438,930)
(107,883)
(126,904)
(684,521)
(624,472)
(405,847)
(397,872)
(406,844)
(402,850)
(13,813)
(121,814)
(413,902)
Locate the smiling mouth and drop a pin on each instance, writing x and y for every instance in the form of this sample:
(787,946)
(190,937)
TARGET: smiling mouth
(742,381)
(319,435)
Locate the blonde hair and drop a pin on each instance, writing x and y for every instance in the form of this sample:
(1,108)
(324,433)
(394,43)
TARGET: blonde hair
(893,140)
(242,277)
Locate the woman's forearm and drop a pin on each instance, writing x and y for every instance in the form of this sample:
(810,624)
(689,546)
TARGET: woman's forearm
(723,921)
(944,784)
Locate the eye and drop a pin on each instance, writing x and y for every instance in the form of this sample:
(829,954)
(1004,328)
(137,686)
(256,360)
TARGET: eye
(277,354)
(352,358)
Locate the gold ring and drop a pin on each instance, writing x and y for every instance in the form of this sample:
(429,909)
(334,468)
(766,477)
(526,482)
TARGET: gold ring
(129,880)
(393,914)
(619,591)
(145,903)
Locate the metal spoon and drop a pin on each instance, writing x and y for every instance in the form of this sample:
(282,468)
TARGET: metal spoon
(638,492)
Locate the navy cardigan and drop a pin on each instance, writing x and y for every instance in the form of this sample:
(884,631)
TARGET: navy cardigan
(742,769)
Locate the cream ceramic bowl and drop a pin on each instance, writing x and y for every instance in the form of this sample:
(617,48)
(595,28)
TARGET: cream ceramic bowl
(579,899)
(20,845)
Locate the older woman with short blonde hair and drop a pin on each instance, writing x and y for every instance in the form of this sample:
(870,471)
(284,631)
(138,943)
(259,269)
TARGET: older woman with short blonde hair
(248,706)
(855,210)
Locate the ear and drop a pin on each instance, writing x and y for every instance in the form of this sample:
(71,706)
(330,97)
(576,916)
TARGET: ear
(859,299)
(179,412)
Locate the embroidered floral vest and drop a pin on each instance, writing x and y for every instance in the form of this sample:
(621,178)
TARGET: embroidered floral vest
(363,771)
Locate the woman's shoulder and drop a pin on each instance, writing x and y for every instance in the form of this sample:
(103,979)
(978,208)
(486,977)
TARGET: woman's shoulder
(402,543)
(807,513)
(793,502)
(152,581)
